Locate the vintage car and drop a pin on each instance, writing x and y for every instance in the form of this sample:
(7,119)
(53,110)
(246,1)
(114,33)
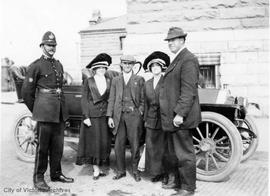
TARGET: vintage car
(225,137)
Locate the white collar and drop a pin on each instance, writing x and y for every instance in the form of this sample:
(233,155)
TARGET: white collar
(176,54)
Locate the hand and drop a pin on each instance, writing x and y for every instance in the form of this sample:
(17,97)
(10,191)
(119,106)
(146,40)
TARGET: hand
(87,122)
(178,120)
(110,122)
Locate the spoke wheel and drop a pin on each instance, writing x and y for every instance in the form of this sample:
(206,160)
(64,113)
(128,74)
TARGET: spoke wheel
(25,137)
(250,137)
(218,147)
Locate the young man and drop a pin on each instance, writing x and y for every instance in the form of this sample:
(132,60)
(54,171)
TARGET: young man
(180,110)
(42,94)
(125,110)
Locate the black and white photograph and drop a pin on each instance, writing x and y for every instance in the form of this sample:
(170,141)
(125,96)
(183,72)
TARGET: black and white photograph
(134,97)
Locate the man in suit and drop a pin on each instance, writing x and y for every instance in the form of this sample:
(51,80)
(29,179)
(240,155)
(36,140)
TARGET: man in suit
(180,110)
(42,94)
(125,110)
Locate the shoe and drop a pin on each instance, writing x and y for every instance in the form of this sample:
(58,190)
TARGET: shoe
(137,177)
(118,176)
(102,174)
(95,177)
(171,186)
(42,186)
(165,180)
(157,178)
(183,192)
(63,179)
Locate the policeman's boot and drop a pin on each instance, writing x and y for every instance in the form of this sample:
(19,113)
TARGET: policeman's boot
(41,185)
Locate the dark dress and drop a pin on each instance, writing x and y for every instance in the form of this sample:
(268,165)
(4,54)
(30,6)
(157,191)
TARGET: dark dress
(154,135)
(95,141)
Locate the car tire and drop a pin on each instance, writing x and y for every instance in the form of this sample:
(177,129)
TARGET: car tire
(250,137)
(218,147)
(24,136)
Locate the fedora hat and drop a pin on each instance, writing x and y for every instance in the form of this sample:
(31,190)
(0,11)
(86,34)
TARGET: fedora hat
(101,60)
(175,32)
(158,57)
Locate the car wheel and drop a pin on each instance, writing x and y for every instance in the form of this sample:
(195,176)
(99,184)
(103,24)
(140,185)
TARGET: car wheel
(218,147)
(25,137)
(250,137)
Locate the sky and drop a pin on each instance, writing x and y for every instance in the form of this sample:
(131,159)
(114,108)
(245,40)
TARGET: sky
(23,23)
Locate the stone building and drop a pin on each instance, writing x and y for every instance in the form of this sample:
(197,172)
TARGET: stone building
(103,35)
(231,39)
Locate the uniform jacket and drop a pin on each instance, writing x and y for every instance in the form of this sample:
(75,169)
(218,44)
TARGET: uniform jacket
(151,102)
(45,107)
(116,95)
(179,92)
(93,103)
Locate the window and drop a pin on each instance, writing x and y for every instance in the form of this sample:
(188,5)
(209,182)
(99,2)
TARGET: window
(122,39)
(209,70)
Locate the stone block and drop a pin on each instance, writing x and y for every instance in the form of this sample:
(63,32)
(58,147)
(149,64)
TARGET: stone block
(251,34)
(245,45)
(242,12)
(246,57)
(262,2)
(263,56)
(238,90)
(228,57)
(263,79)
(233,69)
(216,35)
(255,22)
(220,4)
(214,46)
(258,90)
(191,15)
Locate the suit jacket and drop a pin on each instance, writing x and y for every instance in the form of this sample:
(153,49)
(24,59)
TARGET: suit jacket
(179,92)
(151,102)
(93,103)
(116,95)
(46,107)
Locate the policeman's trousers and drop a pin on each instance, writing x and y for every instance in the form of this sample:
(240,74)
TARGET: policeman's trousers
(50,145)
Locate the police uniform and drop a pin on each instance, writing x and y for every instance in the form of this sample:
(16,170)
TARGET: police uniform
(42,94)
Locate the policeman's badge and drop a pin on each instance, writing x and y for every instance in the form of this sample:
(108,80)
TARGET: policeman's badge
(51,36)
(30,80)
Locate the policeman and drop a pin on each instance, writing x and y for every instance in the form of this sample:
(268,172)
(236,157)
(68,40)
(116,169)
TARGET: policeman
(42,94)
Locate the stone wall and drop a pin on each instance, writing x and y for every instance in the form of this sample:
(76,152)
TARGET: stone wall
(93,43)
(238,29)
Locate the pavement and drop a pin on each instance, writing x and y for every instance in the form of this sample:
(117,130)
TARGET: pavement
(249,179)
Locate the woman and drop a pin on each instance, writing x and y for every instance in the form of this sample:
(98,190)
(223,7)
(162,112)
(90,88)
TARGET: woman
(155,137)
(95,137)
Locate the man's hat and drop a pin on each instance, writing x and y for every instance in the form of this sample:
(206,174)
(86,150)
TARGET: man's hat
(48,38)
(158,57)
(128,58)
(101,60)
(175,32)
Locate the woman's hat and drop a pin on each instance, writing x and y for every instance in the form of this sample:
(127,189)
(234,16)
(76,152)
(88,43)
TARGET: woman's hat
(175,32)
(101,60)
(158,57)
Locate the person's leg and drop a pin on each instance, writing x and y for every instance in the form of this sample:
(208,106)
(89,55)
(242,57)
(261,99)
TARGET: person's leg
(119,148)
(41,159)
(56,152)
(184,150)
(134,132)
(56,149)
